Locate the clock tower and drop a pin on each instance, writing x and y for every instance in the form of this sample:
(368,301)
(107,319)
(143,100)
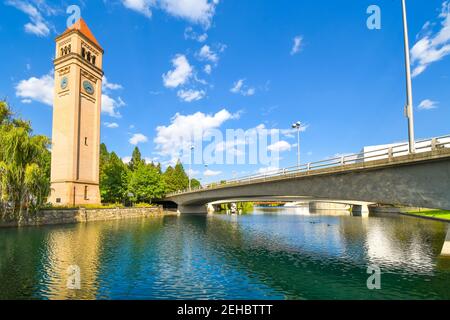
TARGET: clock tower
(76,117)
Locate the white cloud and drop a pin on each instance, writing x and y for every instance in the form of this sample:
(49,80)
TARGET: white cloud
(268,170)
(38,25)
(231,147)
(237,86)
(191,95)
(195,11)
(432,47)
(211,173)
(138,138)
(241,88)
(111,125)
(297,45)
(202,38)
(279,146)
(110,105)
(126,160)
(176,138)
(189,34)
(428,105)
(249,92)
(207,69)
(206,53)
(110,86)
(192,172)
(180,74)
(142,6)
(36,89)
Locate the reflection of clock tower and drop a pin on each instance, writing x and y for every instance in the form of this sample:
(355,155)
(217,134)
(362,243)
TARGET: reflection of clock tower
(76,117)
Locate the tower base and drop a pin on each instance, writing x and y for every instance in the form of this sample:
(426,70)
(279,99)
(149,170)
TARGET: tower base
(74,194)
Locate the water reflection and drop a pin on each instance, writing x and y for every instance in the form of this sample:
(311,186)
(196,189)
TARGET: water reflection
(272,254)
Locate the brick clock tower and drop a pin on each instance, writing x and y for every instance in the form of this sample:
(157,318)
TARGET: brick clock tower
(76,118)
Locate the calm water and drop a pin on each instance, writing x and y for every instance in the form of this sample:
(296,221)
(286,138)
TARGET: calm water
(271,254)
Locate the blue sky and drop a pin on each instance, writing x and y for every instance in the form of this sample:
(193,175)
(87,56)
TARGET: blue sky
(240,64)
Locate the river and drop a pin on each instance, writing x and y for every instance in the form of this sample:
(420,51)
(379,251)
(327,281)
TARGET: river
(269,254)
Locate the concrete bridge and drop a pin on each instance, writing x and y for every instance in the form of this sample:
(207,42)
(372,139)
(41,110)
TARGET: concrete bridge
(384,176)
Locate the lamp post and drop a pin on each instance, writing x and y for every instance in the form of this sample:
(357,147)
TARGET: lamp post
(298,126)
(409,96)
(190,167)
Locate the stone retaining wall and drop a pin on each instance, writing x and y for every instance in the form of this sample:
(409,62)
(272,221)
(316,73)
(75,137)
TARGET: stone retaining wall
(64,216)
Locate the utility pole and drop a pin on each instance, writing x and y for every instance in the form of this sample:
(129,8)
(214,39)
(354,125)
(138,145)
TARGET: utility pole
(190,167)
(409,102)
(298,126)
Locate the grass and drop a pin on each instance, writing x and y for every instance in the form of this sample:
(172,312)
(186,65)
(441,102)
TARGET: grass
(441,214)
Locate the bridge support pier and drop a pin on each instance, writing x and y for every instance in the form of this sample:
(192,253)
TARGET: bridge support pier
(192,209)
(446,247)
(360,211)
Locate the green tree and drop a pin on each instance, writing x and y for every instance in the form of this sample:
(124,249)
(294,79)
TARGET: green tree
(145,183)
(113,179)
(195,183)
(175,178)
(104,155)
(169,180)
(24,167)
(180,177)
(136,159)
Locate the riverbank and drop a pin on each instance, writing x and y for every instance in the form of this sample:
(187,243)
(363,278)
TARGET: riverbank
(434,214)
(431,214)
(83,215)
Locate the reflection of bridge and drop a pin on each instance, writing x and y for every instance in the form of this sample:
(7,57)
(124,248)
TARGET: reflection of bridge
(386,176)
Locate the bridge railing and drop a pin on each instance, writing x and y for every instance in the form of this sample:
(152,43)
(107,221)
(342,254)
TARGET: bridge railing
(391,151)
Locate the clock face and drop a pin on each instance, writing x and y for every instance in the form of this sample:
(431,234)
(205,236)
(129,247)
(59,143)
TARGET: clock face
(64,83)
(88,87)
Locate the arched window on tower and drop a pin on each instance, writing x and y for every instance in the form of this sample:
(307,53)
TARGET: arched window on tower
(69,48)
(62,52)
(83,53)
(89,56)
(93,59)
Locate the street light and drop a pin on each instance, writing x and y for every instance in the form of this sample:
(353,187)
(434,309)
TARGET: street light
(409,96)
(298,126)
(190,167)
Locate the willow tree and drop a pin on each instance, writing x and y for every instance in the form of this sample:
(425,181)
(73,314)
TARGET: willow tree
(24,167)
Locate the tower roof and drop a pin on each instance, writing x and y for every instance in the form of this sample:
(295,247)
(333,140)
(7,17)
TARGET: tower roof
(82,27)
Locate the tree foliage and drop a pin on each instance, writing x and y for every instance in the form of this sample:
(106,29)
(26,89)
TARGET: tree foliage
(113,177)
(24,167)
(176,178)
(145,183)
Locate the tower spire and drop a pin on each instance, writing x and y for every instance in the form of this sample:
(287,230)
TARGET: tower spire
(81,26)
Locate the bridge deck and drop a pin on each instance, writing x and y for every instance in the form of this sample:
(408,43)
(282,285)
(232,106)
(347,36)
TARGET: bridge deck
(328,168)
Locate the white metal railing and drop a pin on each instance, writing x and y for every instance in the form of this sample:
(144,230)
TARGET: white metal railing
(394,150)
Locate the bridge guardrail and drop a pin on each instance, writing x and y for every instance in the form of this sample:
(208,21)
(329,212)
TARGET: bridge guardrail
(395,150)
